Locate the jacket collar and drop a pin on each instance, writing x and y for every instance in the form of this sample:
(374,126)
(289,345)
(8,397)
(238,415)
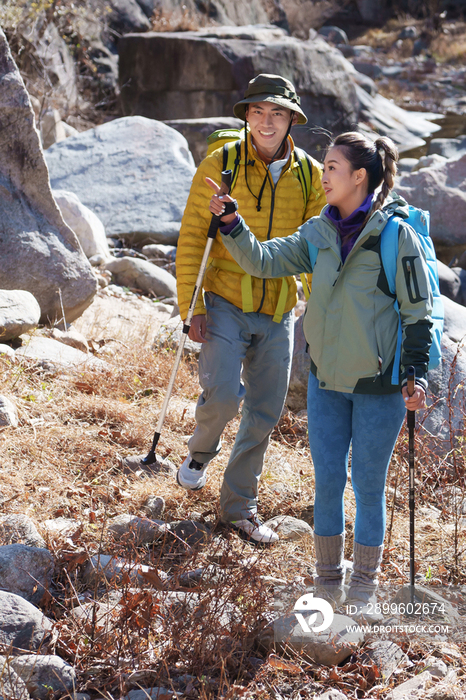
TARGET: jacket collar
(323,233)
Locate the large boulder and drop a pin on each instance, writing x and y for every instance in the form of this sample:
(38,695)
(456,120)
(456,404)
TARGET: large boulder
(442,190)
(40,254)
(134,173)
(196,131)
(178,75)
(19,312)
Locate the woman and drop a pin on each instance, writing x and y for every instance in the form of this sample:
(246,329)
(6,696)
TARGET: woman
(351,325)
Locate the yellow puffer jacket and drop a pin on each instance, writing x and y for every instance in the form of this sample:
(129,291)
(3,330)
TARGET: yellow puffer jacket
(282,212)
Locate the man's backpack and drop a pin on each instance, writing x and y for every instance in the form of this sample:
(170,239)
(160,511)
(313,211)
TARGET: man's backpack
(419,222)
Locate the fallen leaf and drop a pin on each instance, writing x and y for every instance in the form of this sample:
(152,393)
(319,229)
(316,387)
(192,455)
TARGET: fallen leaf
(283,664)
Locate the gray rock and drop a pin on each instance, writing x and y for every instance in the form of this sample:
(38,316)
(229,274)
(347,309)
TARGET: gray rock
(40,253)
(127,16)
(455,320)
(449,148)
(105,569)
(386,655)
(296,399)
(54,353)
(6,350)
(126,172)
(446,386)
(440,188)
(44,674)
(19,529)
(161,467)
(130,528)
(329,647)
(334,34)
(167,75)
(143,275)
(191,532)
(409,32)
(405,165)
(407,129)
(71,337)
(158,693)
(21,624)
(158,251)
(461,297)
(62,527)
(449,282)
(52,54)
(19,313)
(370,69)
(413,688)
(87,226)
(52,129)
(104,616)
(11,685)
(196,131)
(428,161)
(26,571)
(289,528)
(436,667)
(331,695)
(154,506)
(8,413)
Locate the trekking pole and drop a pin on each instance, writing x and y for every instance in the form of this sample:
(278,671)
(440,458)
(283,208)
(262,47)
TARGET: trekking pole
(212,232)
(411,420)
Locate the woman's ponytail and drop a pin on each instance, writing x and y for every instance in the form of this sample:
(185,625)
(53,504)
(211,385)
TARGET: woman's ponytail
(390,159)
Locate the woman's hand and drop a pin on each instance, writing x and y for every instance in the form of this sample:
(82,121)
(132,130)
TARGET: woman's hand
(217,204)
(417,400)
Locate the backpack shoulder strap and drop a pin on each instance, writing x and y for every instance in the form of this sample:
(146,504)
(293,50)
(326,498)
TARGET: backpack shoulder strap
(389,251)
(232,159)
(389,256)
(305,172)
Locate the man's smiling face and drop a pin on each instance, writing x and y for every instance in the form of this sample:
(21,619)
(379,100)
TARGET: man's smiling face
(268,123)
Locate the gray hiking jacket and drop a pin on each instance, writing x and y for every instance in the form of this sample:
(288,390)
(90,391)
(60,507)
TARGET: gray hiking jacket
(350,323)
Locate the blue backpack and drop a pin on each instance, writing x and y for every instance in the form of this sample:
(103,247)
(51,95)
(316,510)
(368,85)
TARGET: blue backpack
(419,222)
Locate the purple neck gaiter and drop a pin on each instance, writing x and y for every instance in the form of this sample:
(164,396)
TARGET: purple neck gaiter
(349,228)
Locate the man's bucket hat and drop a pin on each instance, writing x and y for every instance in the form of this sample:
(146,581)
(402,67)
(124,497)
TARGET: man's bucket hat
(270,88)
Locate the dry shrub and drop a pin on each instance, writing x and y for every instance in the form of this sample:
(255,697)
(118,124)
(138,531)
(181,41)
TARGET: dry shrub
(181,19)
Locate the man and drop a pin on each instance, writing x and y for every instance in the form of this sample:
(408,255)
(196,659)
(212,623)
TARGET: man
(245,324)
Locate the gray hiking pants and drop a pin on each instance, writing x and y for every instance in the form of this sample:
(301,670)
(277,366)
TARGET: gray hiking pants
(262,349)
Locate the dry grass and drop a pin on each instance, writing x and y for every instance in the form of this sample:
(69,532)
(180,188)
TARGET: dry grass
(63,460)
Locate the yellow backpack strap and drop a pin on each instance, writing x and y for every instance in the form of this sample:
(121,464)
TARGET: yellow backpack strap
(280,308)
(246,281)
(306,287)
(305,173)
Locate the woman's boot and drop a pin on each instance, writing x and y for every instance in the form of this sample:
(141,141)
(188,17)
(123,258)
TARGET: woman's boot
(330,568)
(361,600)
